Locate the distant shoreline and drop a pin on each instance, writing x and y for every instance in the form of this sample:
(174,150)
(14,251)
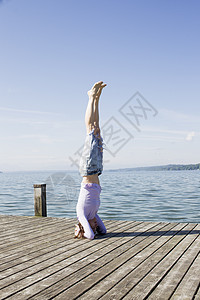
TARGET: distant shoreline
(171,167)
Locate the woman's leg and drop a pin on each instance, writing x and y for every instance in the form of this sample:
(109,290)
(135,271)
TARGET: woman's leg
(92,111)
(101,227)
(92,120)
(89,115)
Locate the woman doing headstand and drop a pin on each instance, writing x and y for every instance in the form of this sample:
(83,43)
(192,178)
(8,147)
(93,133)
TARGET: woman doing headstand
(91,166)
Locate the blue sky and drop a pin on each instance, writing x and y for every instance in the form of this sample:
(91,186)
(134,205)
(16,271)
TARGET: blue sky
(53,51)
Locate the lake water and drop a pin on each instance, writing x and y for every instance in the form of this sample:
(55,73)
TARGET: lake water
(169,196)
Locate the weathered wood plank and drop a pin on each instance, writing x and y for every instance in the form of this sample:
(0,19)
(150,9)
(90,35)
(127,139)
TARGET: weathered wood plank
(73,267)
(51,232)
(165,262)
(138,256)
(197,295)
(27,237)
(89,275)
(143,262)
(190,283)
(135,260)
(40,247)
(169,283)
(52,265)
(10,218)
(43,254)
(27,226)
(38,239)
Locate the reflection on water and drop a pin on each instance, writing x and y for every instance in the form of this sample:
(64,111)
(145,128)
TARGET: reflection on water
(126,195)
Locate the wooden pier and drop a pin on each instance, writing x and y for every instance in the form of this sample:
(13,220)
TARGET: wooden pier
(40,259)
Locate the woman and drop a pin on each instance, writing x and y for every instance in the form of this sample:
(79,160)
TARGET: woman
(91,166)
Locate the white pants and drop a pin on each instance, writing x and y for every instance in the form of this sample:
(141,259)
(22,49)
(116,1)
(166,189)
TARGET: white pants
(87,208)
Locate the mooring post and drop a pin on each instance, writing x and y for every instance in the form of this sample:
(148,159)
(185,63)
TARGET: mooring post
(40,200)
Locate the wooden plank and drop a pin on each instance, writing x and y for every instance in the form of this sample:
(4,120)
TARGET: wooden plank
(39,231)
(87,275)
(43,254)
(190,283)
(165,264)
(11,222)
(38,237)
(10,218)
(40,247)
(25,227)
(78,241)
(51,265)
(169,283)
(138,255)
(136,268)
(21,222)
(36,230)
(21,246)
(72,266)
(197,295)
(135,260)
(52,232)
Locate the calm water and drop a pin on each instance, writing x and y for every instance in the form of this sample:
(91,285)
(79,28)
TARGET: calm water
(126,195)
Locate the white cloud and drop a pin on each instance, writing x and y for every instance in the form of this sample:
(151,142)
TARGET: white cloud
(190,136)
(165,131)
(27,111)
(178,116)
(44,139)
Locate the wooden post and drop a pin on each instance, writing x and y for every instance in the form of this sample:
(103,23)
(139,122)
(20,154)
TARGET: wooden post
(40,200)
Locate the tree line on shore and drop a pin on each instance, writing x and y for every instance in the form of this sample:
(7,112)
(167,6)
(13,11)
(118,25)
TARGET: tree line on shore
(171,167)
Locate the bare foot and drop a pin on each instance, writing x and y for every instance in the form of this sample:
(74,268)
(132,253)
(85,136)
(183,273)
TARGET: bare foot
(98,94)
(95,91)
